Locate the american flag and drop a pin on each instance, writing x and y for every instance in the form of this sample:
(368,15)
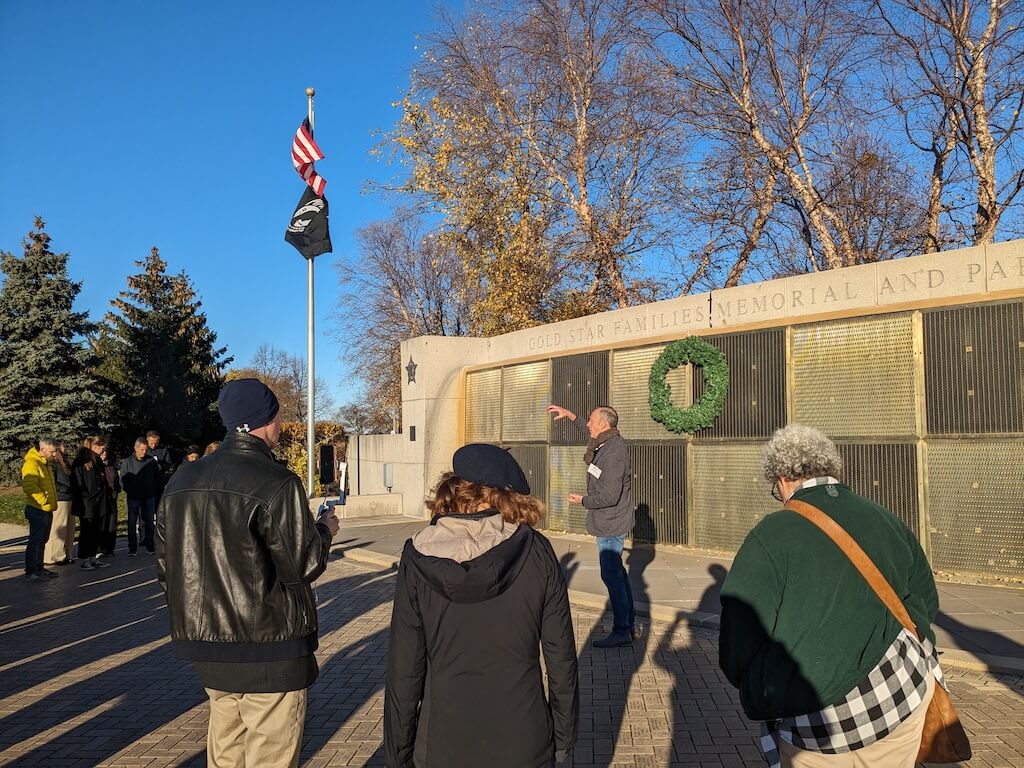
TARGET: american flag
(305,152)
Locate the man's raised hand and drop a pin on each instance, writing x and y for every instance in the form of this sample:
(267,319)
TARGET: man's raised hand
(561,413)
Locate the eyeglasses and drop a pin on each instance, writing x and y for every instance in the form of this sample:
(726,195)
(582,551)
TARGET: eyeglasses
(775,492)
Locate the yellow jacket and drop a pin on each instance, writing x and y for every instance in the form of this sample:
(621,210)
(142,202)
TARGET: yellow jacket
(38,483)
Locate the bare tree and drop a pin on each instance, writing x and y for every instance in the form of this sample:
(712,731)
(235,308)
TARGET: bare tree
(730,207)
(286,375)
(360,418)
(778,79)
(562,97)
(405,282)
(958,82)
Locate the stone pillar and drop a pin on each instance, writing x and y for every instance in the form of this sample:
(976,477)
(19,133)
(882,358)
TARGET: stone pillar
(432,428)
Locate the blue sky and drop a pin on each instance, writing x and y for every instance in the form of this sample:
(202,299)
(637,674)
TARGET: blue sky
(133,124)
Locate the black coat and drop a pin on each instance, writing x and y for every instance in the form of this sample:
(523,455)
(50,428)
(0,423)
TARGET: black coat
(237,549)
(141,479)
(464,682)
(90,495)
(63,482)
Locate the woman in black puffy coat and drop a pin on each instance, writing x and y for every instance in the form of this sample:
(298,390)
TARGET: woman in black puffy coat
(480,595)
(90,501)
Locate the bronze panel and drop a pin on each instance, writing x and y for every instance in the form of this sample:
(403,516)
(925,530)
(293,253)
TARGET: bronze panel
(974,369)
(579,383)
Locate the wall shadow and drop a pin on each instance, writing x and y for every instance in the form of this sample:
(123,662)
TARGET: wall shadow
(702,695)
(973,638)
(354,674)
(611,670)
(122,704)
(35,648)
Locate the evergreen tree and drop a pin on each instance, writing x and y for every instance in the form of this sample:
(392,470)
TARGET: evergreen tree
(47,384)
(162,358)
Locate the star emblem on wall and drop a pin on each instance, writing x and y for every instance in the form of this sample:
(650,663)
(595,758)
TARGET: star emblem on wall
(411,370)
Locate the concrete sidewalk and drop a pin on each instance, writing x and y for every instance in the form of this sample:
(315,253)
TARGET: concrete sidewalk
(978,627)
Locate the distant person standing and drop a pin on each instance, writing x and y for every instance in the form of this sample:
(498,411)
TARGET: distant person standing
(211,447)
(140,477)
(108,531)
(163,459)
(610,510)
(39,486)
(192,453)
(62,532)
(90,501)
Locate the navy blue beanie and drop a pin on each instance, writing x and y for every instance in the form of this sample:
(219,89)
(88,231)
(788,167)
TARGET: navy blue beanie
(490,465)
(246,404)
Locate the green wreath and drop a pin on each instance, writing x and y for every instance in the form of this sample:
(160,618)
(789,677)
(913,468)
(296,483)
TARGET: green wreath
(703,413)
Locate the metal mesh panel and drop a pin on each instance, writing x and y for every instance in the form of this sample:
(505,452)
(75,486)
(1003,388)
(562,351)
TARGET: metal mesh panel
(534,461)
(855,378)
(886,474)
(483,406)
(659,492)
(730,495)
(568,474)
(524,401)
(974,368)
(631,371)
(579,383)
(975,506)
(755,405)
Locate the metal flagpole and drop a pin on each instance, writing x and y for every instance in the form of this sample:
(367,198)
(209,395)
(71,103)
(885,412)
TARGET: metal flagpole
(310,349)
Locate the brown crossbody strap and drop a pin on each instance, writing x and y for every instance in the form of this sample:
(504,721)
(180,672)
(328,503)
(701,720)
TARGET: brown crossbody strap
(858,557)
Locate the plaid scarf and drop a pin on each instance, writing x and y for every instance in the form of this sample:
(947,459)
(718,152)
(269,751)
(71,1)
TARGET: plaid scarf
(596,442)
(871,711)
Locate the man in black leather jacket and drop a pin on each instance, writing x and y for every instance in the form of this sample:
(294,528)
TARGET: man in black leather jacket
(237,551)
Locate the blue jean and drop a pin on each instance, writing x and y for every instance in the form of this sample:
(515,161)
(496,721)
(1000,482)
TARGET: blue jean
(146,510)
(39,523)
(616,580)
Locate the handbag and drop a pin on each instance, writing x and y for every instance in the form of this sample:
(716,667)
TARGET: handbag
(943,739)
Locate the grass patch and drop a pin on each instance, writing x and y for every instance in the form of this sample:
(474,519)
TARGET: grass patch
(12,509)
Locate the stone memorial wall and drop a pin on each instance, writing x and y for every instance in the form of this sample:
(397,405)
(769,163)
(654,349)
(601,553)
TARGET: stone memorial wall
(914,367)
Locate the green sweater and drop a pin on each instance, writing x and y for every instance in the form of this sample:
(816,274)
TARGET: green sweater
(800,625)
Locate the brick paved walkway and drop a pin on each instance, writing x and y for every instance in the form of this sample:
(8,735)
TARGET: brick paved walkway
(87,679)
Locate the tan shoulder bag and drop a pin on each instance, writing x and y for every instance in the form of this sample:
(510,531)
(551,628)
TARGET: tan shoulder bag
(943,739)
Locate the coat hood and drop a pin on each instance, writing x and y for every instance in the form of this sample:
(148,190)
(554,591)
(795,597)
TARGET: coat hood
(470,558)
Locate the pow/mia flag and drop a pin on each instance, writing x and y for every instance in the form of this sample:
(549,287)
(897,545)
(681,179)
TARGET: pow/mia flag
(308,230)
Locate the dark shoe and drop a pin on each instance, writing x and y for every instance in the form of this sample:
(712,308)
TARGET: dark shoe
(614,640)
(132,554)
(34,577)
(49,574)
(88,565)
(65,561)
(97,563)
(150,551)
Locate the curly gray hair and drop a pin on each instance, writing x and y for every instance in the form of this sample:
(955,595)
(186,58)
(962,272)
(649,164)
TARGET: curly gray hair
(797,452)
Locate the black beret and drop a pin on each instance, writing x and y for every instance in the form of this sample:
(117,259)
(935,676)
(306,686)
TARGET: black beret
(490,465)
(246,404)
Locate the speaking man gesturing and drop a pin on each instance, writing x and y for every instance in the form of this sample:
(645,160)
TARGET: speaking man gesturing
(609,505)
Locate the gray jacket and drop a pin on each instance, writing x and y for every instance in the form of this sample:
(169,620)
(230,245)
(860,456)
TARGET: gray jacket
(609,499)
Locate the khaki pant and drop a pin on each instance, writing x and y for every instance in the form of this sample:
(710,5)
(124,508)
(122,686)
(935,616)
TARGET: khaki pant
(897,750)
(255,730)
(62,535)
